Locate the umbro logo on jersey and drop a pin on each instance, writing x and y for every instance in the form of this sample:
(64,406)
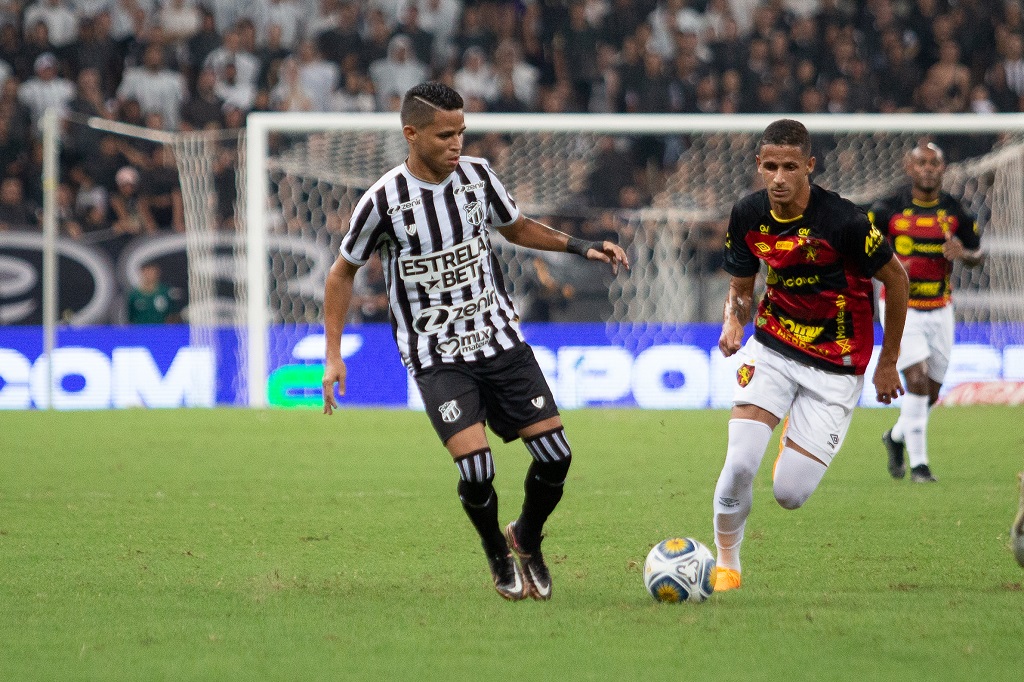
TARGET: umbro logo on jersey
(411,229)
(833,438)
(475,213)
(538,402)
(450,411)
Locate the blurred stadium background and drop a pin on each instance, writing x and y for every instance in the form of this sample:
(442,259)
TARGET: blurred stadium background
(151,164)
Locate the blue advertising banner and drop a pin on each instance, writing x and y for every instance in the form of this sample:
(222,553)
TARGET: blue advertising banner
(587,365)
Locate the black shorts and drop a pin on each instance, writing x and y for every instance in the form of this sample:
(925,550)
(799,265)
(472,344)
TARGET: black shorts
(508,392)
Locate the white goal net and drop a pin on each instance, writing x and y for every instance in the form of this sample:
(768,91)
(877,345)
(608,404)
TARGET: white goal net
(662,185)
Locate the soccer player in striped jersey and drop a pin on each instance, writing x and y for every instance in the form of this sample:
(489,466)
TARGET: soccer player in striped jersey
(929,229)
(813,332)
(431,220)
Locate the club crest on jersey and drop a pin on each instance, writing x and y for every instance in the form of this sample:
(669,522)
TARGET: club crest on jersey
(469,342)
(450,411)
(475,213)
(538,402)
(744,374)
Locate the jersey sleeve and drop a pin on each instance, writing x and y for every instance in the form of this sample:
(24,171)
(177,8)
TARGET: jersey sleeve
(501,207)
(865,244)
(967,229)
(739,260)
(363,234)
(880,216)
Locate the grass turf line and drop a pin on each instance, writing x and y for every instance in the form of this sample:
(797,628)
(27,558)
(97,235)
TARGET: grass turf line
(227,544)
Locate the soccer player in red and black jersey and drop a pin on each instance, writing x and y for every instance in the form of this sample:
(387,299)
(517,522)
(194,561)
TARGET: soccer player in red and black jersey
(813,331)
(928,229)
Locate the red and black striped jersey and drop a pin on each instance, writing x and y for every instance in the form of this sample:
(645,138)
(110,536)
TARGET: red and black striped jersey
(446,293)
(917,231)
(818,306)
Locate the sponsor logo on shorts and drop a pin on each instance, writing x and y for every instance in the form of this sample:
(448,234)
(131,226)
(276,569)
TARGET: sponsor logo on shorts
(538,402)
(469,342)
(744,374)
(450,411)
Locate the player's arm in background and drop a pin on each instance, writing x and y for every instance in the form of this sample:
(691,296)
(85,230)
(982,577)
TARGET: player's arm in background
(534,235)
(965,245)
(337,298)
(739,307)
(888,385)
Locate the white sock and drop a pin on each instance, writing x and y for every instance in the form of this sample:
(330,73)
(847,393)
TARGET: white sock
(734,494)
(896,433)
(796,477)
(914,416)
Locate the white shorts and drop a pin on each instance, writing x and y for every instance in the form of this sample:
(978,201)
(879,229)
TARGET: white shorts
(928,337)
(819,403)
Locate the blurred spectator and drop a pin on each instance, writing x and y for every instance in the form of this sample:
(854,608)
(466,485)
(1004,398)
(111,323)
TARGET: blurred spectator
(476,78)
(398,72)
(234,91)
(163,190)
(341,39)
(205,41)
(67,218)
(290,93)
(204,109)
(422,40)
(15,213)
(230,54)
(271,54)
(355,94)
(473,32)
(61,23)
(130,208)
(36,43)
(509,63)
(441,19)
(376,38)
(180,20)
(97,50)
(156,88)
(46,89)
(287,14)
(319,77)
(151,301)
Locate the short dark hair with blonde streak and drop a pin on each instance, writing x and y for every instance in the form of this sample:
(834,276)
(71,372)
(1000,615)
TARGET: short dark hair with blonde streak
(424,100)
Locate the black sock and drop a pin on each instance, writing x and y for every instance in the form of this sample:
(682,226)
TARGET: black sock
(481,504)
(476,491)
(544,486)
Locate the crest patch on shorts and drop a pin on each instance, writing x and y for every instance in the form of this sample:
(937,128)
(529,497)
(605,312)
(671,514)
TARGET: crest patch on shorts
(744,374)
(538,402)
(449,411)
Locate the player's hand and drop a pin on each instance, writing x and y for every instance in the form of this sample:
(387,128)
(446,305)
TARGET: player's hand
(953,248)
(610,253)
(888,385)
(731,339)
(334,373)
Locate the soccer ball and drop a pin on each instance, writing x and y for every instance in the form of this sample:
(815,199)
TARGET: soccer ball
(678,570)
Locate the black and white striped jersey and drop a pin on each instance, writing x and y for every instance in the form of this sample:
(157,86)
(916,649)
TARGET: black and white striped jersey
(447,295)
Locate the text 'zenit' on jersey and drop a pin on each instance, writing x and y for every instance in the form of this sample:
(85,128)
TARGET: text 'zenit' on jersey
(447,295)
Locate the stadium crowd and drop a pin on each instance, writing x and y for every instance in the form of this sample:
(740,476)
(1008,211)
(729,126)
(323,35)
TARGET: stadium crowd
(185,65)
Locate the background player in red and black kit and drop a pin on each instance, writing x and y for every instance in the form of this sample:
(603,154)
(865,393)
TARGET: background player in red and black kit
(928,229)
(813,331)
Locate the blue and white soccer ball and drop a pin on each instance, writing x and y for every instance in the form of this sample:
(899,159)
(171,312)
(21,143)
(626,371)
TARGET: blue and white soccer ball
(678,570)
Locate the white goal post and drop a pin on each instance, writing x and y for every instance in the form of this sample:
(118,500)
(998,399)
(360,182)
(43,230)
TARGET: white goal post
(329,159)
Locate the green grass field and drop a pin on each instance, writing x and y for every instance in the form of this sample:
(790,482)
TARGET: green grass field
(285,545)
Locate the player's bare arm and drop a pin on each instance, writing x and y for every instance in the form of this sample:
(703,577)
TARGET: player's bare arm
(337,296)
(535,235)
(738,309)
(888,385)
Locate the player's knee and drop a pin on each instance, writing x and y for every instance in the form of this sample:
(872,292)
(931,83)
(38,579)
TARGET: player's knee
(552,456)
(790,496)
(476,467)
